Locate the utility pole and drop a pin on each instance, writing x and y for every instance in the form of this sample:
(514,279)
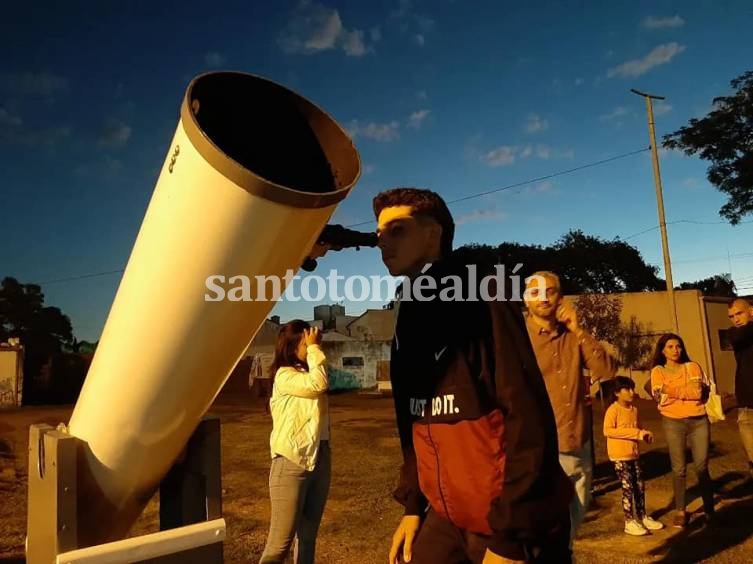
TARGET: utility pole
(660,204)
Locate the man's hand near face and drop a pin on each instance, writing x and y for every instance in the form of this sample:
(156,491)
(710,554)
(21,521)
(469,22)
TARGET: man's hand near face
(567,315)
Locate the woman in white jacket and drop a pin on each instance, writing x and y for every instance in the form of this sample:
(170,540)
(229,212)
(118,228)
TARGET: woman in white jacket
(301,465)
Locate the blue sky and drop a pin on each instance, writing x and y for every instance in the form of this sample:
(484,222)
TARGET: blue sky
(459,97)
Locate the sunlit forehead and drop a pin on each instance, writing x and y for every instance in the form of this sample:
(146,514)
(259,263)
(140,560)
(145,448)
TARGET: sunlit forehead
(540,287)
(393,213)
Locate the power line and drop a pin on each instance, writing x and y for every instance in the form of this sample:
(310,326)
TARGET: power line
(82,276)
(450,202)
(534,180)
(691,221)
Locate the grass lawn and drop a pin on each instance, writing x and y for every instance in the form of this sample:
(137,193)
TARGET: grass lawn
(360,515)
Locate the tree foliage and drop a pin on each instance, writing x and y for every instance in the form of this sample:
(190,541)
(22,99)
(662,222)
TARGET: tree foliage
(585,263)
(634,345)
(600,315)
(45,332)
(724,137)
(717,285)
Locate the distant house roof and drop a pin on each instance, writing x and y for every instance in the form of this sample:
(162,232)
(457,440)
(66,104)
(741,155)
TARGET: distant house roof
(378,324)
(266,336)
(335,336)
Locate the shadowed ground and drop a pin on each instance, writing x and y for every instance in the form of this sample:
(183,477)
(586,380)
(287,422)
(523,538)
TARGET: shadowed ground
(360,515)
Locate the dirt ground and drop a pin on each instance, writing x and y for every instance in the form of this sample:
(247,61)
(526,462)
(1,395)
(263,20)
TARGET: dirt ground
(360,514)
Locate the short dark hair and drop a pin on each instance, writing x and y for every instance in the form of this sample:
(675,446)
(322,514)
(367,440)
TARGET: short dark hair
(659,359)
(622,383)
(616,384)
(425,203)
(286,347)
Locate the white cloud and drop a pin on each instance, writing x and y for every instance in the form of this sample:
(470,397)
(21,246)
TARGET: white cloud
(114,133)
(375,33)
(506,155)
(424,23)
(659,55)
(662,108)
(691,183)
(484,214)
(403,9)
(578,81)
(14,134)
(33,84)
(544,186)
(618,112)
(536,123)
(409,23)
(501,156)
(368,169)
(214,60)
(108,167)
(417,118)
(543,152)
(654,22)
(353,44)
(9,119)
(314,28)
(422,95)
(382,132)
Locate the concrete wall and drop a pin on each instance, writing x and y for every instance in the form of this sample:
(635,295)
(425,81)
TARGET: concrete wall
(344,375)
(350,375)
(11,376)
(374,324)
(699,321)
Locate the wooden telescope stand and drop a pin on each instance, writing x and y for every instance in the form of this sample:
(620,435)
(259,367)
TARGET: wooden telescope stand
(191,525)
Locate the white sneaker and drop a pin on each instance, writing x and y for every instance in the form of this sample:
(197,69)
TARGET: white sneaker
(652,524)
(634,528)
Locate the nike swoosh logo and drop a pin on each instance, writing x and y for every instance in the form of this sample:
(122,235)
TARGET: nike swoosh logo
(437,355)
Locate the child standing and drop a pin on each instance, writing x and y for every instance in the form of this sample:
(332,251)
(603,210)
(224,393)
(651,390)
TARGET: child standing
(623,431)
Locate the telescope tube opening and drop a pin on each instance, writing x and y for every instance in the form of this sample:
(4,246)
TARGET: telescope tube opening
(253,125)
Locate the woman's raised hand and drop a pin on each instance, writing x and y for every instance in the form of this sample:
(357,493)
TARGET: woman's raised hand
(312,336)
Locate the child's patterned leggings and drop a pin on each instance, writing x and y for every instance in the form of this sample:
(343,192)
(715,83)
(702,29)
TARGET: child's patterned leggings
(633,489)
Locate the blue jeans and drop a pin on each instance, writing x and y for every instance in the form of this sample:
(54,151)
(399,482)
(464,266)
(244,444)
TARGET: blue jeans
(579,468)
(298,498)
(694,430)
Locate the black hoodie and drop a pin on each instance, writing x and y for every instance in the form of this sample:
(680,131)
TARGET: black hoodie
(476,427)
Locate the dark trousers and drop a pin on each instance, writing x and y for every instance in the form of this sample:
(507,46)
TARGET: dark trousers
(441,542)
(633,489)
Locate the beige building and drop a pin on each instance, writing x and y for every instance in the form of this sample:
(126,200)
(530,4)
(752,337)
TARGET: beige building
(702,324)
(11,374)
(357,348)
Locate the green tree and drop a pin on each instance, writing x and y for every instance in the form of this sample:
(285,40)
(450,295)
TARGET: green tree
(724,137)
(633,345)
(599,314)
(591,264)
(45,332)
(585,263)
(717,285)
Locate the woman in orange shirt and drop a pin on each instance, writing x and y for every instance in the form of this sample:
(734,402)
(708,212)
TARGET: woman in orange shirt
(681,388)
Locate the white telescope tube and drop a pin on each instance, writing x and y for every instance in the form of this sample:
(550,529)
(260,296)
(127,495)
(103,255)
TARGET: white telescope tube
(251,177)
